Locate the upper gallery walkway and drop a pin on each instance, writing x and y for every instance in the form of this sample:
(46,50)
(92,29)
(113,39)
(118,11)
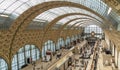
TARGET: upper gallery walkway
(41,65)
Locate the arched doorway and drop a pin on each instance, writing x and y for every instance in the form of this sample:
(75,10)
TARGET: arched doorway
(24,56)
(60,43)
(67,42)
(49,45)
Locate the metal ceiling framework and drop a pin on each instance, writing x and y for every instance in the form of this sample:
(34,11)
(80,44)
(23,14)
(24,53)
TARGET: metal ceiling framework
(53,22)
(25,18)
(77,5)
(55,12)
(87,21)
(14,8)
(76,21)
(60,30)
(80,22)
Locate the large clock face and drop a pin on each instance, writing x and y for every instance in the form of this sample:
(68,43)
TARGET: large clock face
(92,33)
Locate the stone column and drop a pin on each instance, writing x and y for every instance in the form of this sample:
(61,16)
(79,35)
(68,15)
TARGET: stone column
(113,50)
(116,57)
(10,65)
(119,61)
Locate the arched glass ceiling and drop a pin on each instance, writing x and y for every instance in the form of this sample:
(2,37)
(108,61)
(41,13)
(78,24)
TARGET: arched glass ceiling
(19,6)
(43,19)
(53,13)
(66,19)
(11,9)
(87,23)
(97,5)
(81,22)
(40,24)
(94,28)
(76,22)
(114,18)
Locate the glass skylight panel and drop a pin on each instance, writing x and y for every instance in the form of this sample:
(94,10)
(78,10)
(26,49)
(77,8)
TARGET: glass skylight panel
(14,6)
(48,16)
(6,4)
(76,24)
(64,21)
(58,11)
(86,2)
(64,10)
(70,18)
(35,2)
(75,1)
(76,9)
(70,9)
(79,23)
(96,5)
(23,0)
(86,12)
(1,1)
(77,16)
(73,22)
(94,28)
(1,10)
(84,21)
(17,7)
(53,0)
(21,9)
(26,6)
(53,13)
(32,3)
(86,24)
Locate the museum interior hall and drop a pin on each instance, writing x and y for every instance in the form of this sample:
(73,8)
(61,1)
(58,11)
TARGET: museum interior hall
(59,34)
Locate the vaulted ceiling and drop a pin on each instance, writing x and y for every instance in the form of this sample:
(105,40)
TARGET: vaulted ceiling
(10,10)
